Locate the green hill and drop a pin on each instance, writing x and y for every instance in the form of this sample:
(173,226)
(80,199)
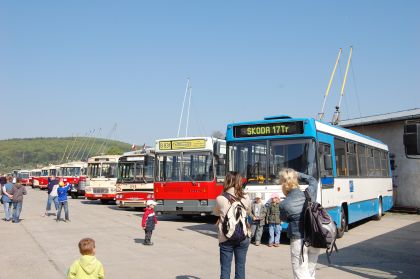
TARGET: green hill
(37,152)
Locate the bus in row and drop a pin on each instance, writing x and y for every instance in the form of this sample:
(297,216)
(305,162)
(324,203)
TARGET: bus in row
(135,178)
(189,175)
(102,176)
(353,170)
(75,174)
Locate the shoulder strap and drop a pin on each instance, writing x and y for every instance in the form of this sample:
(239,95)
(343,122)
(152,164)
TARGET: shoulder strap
(231,198)
(307,196)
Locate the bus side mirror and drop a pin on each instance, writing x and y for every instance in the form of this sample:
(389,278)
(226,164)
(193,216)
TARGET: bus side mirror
(220,148)
(327,162)
(411,138)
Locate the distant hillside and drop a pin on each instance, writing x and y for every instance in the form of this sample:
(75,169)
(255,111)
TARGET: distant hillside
(36,152)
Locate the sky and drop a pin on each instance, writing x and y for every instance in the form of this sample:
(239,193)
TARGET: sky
(73,67)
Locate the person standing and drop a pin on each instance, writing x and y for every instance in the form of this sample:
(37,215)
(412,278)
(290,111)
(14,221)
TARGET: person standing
(7,198)
(149,221)
(291,211)
(62,200)
(273,220)
(258,213)
(87,266)
(232,188)
(52,195)
(17,192)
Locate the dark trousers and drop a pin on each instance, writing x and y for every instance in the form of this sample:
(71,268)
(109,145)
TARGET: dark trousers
(148,236)
(227,250)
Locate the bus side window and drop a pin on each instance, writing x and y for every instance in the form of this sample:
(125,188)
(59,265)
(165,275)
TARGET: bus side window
(340,157)
(325,161)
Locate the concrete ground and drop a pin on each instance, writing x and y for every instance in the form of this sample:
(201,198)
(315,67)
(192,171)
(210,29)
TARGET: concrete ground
(39,247)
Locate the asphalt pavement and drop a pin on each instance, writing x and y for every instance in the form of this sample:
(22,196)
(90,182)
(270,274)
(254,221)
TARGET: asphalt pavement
(39,247)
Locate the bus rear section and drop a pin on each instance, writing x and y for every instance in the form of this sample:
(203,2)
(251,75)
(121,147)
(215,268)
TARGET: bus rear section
(135,178)
(101,178)
(189,175)
(74,173)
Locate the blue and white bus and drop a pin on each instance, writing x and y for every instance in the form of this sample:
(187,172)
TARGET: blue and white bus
(352,169)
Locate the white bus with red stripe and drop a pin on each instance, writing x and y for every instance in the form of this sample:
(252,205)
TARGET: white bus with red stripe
(135,178)
(34,176)
(46,173)
(102,177)
(75,174)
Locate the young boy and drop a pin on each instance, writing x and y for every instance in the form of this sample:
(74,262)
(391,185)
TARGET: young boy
(258,213)
(149,221)
(62,200)
(273,220)
(87,266)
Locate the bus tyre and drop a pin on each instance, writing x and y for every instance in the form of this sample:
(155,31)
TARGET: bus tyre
(378,215)
(343,222)
(73,195)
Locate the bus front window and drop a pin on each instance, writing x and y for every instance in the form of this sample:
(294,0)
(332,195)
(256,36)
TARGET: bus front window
(169,167)
(94,170)
(295,154)
(197,167)
(260,162)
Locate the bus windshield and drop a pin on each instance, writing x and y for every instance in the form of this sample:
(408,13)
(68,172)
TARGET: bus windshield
(185,167)
(70,171)
(100,170)
(23,175)
(44,172)
(261,161)
(136,172)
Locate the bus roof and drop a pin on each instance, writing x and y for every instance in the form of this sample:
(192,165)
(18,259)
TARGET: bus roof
(311,127)
(74,164)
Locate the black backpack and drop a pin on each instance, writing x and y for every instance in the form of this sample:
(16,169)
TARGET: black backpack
(319,229)
(234,226)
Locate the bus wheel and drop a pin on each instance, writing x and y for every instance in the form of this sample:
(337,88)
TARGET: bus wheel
(343,222)
(73,195)
(186,217)
(104,201)
(378,215)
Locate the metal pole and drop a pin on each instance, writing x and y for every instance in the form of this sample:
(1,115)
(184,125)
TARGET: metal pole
(188,113)
(345,77)
(183,104)
(321,114)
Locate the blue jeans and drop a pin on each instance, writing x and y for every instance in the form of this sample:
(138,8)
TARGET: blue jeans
(227,250)
(66,210)
(17,209)
(275,231)
(7,210)
(52,199)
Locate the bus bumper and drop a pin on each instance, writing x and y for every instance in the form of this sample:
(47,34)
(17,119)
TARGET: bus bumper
(185,207)
(91,196)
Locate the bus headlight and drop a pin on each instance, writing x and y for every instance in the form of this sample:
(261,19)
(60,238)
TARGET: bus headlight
(159,202)
(204,202)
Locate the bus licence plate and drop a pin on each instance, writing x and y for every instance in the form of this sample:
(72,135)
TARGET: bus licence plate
(98,196)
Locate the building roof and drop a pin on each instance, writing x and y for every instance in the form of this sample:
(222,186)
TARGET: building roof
(382,118)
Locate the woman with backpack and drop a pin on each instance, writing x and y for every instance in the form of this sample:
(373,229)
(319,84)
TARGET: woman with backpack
(291,211)
(236,240)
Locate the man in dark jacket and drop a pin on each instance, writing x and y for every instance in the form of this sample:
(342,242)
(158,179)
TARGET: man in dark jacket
(52,195)
(17,192)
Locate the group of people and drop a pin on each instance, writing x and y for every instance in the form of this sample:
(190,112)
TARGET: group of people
(12,196)
(303,259)
(57,194)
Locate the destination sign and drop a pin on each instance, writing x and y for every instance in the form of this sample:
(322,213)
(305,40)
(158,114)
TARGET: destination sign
(182,144)
(268,129)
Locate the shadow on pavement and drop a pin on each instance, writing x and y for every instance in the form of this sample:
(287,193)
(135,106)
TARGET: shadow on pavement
(392,255)
(186,277)
(206,229)
(139,240)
